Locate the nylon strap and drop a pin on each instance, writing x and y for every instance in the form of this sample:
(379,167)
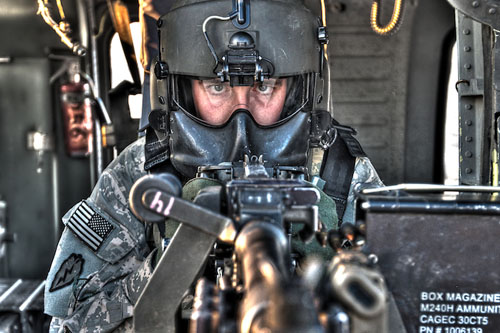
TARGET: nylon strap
(338,166)
(156,152)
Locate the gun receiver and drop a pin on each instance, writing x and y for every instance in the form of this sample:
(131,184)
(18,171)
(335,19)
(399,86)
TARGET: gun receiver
(255,287)
(255,197)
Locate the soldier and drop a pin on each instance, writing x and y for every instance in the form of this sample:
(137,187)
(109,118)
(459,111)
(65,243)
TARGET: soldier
(249,80)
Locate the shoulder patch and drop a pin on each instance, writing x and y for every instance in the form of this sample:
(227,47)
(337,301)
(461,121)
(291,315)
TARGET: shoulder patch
(89,226)
(70,269)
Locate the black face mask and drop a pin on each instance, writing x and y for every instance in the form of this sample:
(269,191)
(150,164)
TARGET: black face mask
(194,143)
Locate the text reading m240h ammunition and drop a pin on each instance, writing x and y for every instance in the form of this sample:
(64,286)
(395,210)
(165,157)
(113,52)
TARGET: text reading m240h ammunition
(451,312)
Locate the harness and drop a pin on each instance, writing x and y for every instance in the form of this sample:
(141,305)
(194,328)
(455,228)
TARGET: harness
(338,165)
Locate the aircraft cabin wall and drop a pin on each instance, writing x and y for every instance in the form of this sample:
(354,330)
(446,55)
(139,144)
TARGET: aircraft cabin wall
(391,89)
(38,180)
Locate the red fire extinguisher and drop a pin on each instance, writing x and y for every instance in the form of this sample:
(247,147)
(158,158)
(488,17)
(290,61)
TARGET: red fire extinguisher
(77,117)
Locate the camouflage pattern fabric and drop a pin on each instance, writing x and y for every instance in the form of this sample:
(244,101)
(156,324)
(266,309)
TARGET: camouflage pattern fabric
(102,298)
(125,327)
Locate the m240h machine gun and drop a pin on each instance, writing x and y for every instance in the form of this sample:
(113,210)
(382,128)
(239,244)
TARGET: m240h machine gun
(233,244)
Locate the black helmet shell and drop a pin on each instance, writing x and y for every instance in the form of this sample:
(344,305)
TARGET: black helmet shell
(284,32)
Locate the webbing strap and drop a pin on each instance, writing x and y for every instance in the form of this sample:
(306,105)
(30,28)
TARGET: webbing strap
(337,171)
(155,151)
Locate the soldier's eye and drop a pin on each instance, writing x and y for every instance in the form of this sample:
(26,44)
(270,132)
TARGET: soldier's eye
(215,87)
(264,88)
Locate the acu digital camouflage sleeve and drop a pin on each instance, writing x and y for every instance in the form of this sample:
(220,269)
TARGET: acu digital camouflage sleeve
(103,300)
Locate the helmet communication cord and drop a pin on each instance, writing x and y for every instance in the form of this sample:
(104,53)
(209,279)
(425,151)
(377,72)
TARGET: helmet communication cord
(393,26)
(204,29)
(241,64)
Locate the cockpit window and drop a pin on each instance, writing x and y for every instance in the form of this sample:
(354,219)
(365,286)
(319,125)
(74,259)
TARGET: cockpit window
(119,68)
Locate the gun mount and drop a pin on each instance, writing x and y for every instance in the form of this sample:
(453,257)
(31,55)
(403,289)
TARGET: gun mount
(256,287)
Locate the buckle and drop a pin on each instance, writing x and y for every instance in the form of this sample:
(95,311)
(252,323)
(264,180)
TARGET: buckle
(328,138)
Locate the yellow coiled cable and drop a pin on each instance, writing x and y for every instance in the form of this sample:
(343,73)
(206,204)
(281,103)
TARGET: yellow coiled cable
(393,23)
(323,20)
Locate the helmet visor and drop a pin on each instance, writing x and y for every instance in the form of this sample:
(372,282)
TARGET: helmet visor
(268,101)
(215,101)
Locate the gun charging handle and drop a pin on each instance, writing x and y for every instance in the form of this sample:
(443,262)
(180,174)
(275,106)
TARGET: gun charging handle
(165,182)
(153,198)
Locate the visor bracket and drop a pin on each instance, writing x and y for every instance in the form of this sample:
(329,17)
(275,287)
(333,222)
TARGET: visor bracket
(241,64)
(242,10)
(161,70)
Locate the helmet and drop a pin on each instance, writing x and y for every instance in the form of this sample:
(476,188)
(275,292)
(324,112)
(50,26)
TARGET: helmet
(271,45)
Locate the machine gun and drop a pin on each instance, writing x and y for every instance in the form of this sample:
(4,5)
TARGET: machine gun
(245,238)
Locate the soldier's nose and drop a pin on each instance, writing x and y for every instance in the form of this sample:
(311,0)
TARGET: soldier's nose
(241,97)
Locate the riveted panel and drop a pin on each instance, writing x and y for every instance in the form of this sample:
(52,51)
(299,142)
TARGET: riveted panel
(470,86)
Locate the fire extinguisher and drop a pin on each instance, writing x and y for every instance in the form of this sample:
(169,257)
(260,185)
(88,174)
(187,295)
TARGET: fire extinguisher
(77,116)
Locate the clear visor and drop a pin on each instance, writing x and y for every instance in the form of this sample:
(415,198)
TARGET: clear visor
(268,102)
(215,101)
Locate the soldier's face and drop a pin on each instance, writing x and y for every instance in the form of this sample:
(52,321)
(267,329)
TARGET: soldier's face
(216,101)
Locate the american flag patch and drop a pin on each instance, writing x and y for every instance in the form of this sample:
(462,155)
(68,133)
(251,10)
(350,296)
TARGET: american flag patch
(89,226)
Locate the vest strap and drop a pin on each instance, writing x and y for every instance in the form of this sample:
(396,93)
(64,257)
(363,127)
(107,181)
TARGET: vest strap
(338,166)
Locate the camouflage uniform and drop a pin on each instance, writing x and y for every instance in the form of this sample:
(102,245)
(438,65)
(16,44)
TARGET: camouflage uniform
(112,276)
(94,282)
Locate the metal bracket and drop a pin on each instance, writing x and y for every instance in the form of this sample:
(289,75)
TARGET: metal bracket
(484,11)
(39,141)
(242,8)
(161,70)
(471,100)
